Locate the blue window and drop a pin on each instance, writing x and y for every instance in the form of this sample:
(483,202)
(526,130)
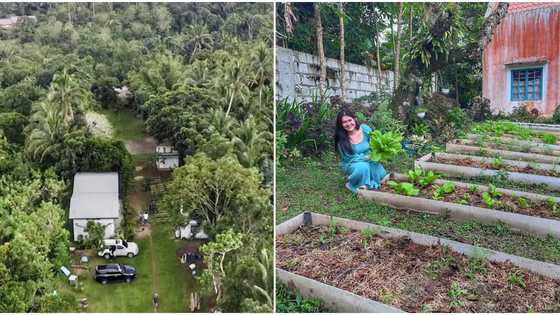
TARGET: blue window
(526,84)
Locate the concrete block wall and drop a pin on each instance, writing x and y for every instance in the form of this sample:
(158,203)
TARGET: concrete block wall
(297,76)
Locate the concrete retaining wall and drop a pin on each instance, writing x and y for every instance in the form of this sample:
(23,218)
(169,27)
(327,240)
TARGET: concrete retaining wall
(297,76)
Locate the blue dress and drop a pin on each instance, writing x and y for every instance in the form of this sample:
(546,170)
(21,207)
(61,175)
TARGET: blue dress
(360,170)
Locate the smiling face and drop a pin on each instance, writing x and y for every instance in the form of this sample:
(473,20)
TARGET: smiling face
(348,123)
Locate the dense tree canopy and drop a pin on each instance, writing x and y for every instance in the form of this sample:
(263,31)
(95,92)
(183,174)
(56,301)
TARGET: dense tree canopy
(199,74)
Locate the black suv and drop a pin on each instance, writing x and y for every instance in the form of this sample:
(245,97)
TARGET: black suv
(114,272)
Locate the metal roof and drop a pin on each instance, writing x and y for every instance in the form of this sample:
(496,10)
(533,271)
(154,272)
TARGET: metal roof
(95,196)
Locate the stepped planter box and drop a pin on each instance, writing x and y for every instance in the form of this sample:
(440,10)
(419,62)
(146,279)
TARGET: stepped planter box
(510,147)
(549,128)
(536,214)
(480,169)
(361,267)
(515,141)
(457,147)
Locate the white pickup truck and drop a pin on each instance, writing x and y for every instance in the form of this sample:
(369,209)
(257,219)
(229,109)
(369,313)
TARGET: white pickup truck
(116,247)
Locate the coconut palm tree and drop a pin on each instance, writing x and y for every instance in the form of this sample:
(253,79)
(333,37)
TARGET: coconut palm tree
(67,95)
(199,38)
(252,142)
(235,80)
(261,64)
(47,135)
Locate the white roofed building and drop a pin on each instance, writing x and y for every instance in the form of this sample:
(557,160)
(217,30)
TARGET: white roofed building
(95,197)
(167,158)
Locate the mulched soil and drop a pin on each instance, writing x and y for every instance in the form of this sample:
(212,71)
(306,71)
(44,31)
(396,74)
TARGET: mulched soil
(506,203)
(509,168)
(413,277)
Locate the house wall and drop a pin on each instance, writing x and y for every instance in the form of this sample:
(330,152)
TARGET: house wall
(80,225)
(297,76)
(524,39)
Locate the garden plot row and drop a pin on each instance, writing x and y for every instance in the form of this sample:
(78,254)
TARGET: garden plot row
(475,166)
(361,267)
(531,213)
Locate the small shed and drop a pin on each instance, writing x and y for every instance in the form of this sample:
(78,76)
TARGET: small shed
(11,22)
(95,197)
(167,158)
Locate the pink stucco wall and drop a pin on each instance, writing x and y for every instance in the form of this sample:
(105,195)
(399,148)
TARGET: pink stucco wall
(526,37)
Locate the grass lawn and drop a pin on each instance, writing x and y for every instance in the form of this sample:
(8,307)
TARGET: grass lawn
(125,125)
(317,185)
(165,275)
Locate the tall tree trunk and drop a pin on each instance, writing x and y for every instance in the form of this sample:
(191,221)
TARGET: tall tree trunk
(93,8)
(320,50)
(342,56)
(398,47)
(457,89)
(377,45)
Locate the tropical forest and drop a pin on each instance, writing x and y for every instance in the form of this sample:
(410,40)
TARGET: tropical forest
(165,107)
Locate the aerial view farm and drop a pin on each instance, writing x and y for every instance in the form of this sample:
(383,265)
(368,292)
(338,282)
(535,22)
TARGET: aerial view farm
(136,157)
(418,157)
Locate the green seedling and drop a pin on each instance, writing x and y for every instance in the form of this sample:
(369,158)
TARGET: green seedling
(497,162)
(522,202)
(367,235)
(465,200)
(386,296)
(404,188)
(553,205)
(440,191)
(516,279)
(493,190)
(488,200)
(549,138)
(323,239)
(415,175)
(428,178)
(501,229)
(333,228)
(473,188)
(455,294)
(475,267)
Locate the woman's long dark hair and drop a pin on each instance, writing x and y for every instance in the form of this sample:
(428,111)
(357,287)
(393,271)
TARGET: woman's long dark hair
(341,140)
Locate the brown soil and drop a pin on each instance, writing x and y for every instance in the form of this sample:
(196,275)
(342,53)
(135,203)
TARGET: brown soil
(413,277)
(509,168)
(143,146)
(505,203)
(143,231)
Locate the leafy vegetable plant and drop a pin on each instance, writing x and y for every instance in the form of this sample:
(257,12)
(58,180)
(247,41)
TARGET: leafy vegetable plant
(442,190)
(549,138)
(422,177)
(428,179)
(522,202)
(384,146)
(404,188)
(494,191)
(488,200)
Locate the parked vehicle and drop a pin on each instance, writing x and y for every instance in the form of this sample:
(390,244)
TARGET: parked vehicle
(114,272)
(116,247)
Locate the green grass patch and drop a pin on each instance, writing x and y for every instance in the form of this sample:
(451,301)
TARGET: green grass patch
(167,276)
(126,126)
(318,186)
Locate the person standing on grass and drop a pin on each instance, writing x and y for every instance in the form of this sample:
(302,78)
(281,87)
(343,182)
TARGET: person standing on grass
(351,141)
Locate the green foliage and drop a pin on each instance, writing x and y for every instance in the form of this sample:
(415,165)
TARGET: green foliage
(455,294)
(516,279)
(549,138)
(96,234)
(367,235)
(488,199)
(29,202)
(440,191)
(221,192)
(422,177)
(553,205)
(404,188)
(497,162)
(289,301)
(12,125)
(522,202)
(384,146)
(493,190)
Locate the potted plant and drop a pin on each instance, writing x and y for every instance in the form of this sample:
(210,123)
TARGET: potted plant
(421,112)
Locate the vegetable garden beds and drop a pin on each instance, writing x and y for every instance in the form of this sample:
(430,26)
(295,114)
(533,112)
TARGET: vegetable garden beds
(472,168)
(513,141)
(510,147)
(531,213)
(458,147)
(409,271)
